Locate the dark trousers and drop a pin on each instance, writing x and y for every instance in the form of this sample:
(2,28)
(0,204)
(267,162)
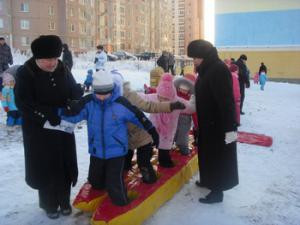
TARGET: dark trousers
(108,174)
(242,91)
(171,67)
(144,155)
(53,196)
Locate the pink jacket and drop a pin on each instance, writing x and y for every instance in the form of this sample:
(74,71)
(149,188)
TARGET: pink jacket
(236,94)
(166,123)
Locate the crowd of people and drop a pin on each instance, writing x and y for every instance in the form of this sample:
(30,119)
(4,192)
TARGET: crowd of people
(42,94)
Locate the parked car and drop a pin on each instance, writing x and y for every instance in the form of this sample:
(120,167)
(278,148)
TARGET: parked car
(146,55)
(124,55)
(112,57)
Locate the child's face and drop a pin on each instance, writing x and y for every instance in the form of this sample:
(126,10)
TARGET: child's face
(12,83)
(103,97)
(163,99)
(183,91)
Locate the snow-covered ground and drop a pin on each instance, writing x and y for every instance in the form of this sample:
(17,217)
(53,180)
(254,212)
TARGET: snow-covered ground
(269,189)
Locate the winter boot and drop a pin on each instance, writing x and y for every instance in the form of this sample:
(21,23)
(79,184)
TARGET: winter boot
(164,158)
(52,214)
(66,211)
(148,175)
(212,197)
(199,183)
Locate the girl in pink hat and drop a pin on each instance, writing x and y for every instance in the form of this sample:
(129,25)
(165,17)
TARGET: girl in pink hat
(166,123)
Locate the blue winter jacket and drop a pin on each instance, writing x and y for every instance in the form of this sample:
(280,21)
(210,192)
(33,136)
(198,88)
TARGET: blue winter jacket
(89,78)
(8,98)
(262,78)
(107,124)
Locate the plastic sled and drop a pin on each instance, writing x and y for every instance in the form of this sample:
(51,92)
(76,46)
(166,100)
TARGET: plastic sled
(254,139)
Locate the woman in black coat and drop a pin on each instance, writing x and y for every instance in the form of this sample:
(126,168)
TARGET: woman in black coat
(43,84)
(67,57)
(217,125)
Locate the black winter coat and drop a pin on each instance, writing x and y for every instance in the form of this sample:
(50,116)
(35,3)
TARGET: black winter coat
(163,62)
(67,58)
(216,116)
(243,74)
(50,156)
(5,57)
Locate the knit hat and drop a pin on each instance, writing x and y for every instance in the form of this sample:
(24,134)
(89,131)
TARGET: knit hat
(7,78)
(184,83)
(103,82)
(46,47)
(243,57)
(166,87)
(199,48)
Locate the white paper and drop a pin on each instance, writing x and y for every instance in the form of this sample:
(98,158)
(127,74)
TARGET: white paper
(64,126)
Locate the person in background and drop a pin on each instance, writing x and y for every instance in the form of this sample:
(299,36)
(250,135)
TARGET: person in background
(100,58)
(5,59)
(163,61)
(171,63)
(43,85)
(243,78)
(262,68)
(88,80)
(107,114)
(217,122)
(67,58)
(182,64)
(262,80)
(236,90)
(8,101)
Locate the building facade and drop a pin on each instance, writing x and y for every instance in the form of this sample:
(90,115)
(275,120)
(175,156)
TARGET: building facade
(131,25)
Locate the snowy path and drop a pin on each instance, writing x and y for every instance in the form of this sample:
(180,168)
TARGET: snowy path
(269,190)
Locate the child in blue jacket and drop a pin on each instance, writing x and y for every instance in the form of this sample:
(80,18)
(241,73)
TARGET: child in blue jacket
(107,114)
(88,80)
(8,101)
(262,80)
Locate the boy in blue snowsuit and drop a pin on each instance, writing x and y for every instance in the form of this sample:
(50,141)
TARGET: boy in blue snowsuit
(88,80)
(262,80)
(8,101)
(107,114)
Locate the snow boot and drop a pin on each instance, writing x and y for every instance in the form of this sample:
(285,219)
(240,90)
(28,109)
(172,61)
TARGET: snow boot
(148,174)
(52,214)
(164,158)
(212,197)
(199,183)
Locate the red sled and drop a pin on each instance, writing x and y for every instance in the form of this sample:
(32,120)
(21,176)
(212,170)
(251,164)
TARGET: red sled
(255,139)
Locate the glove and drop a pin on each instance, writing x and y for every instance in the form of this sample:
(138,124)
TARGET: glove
(6,109)
(155,136)
(54,119)
(177,105)
(230,137)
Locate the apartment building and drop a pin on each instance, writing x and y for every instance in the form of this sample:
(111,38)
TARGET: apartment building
(187,23)
(131,25)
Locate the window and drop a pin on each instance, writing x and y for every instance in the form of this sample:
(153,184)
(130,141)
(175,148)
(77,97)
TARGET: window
(1,5)
(24,7)
(72,43)
(72,28)
(51,26)
(1,23)
(25,41)
(51,11)
(24,24)
(71,12)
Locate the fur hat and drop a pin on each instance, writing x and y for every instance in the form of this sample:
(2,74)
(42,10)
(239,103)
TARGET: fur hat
(7,78)
(166,87)
(199,48)
(103,82)
(46,47)
(184,83)
(243,57)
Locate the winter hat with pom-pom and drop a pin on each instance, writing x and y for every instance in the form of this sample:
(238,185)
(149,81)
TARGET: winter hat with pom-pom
(103,82)
(46,47)
(7,78)
(166,87)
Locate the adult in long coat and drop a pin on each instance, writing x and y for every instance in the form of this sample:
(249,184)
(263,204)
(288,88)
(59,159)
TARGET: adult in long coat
(5,59)
(217,124)
(67,57)
(43,84)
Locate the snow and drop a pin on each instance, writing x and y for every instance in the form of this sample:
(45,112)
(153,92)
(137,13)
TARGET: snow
(269,189)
